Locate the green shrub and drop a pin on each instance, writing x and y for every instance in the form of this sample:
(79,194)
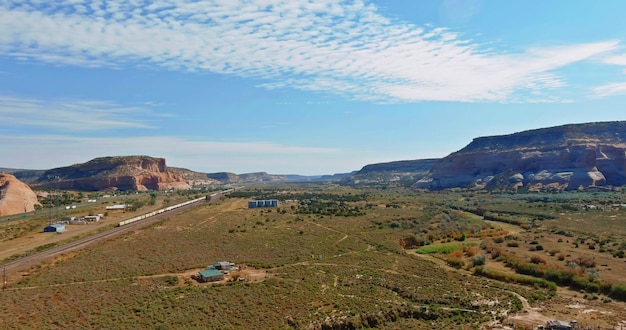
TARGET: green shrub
(479,260)
(514,278)
(170,280)
(537,260)
(619,292)
(444,248)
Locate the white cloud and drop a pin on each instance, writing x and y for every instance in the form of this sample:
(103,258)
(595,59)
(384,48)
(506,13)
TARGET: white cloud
(69,115)
(610,90)
(239,157)
(337,46)
(616,60)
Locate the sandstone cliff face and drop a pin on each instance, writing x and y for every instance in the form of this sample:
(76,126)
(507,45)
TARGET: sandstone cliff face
(421,165)
(564,157)
(115,173)
(404,170)
(15,196)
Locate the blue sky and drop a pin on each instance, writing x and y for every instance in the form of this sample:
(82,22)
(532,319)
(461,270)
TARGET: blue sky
(295,86)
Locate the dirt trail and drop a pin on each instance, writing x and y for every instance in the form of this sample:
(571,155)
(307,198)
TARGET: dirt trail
(340,240)
(512,229)
(528,314)
(333,230)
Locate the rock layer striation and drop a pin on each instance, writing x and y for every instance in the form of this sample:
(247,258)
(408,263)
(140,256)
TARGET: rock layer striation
(565,157)
(114,173)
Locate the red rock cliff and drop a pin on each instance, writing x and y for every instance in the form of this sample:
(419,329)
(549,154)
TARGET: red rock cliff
(123,173)
(15,196)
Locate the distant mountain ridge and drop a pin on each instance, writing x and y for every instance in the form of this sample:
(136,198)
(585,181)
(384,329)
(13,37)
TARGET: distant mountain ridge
(145,173)
(573,156)
(230,178)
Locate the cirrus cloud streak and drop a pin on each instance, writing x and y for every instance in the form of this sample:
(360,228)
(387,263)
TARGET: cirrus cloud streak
(344,47)
(69,115)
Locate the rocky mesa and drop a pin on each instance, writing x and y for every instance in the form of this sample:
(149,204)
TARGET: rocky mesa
(567,157)
(114,173)
(398,171)
(15,196)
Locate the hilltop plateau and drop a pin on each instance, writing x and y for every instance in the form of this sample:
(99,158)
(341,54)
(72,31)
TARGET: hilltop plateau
(113,173)
(564,158)
(398,171)
(575,156)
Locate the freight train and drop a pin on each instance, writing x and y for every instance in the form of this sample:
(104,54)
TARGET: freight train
(169,208)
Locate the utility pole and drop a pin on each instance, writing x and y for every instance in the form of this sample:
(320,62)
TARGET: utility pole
(57,179)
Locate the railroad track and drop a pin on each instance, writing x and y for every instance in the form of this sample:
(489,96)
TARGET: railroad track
(12,267)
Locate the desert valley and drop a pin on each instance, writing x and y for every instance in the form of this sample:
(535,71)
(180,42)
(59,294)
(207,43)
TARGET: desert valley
(511,232)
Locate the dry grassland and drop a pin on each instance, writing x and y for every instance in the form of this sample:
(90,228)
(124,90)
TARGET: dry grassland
(308,271)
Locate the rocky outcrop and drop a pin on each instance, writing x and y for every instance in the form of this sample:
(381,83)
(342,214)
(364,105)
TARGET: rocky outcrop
(227,177)
(398,171)
(15,196)
(195,178)
(564,157)
(114,173)
(261,177)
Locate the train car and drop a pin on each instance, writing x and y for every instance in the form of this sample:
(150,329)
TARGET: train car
(160,211)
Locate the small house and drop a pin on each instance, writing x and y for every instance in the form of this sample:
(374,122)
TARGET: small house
(91,218)
(210,275)
(55,228)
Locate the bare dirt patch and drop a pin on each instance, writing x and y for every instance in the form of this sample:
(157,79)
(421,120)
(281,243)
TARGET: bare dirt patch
(244,273)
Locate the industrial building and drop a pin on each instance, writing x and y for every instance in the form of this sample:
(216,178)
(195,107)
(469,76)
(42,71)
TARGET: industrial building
(55,228)
(263,203)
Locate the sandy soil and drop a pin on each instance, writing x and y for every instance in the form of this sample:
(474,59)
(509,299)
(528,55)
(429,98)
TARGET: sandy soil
(190,276)
(34,240)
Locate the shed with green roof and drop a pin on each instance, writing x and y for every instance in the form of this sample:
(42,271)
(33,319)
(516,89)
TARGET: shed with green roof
(211,275)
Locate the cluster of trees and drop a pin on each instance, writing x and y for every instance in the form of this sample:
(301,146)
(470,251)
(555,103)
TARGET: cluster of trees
(580,273)
(58,199)
(271,194)
(326,207)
